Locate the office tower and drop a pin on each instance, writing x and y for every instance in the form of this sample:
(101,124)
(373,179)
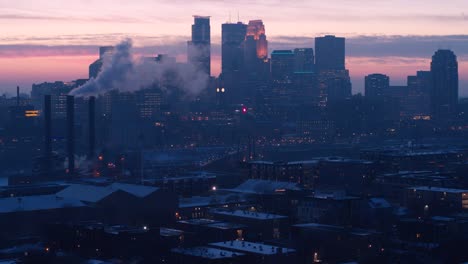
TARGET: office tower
(106,51)
(304,60)
(304,77)
(333,79)
(256,51)
(282,65)
(199,48)
(95,67)
(232,61)
(282,71)
(251,60)
(444,95)
(419,89)
(375,85)
(305,87)
(233,37)
(329,53)
(71,133)
(58,90)
(256,29)
(333,85)
(91,127)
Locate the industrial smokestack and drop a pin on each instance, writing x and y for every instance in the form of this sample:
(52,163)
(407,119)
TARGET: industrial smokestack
(17,96)
(71,133)
(48,132)
(92,126)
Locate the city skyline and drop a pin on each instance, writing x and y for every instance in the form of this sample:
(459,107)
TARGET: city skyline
(392,42)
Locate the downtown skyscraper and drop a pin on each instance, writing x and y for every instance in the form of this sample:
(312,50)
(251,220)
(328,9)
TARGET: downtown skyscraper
(334,83)
(232,60)
(376,85)
(444,94)
(256,30)
(330,53)
(199,48)
(232,46)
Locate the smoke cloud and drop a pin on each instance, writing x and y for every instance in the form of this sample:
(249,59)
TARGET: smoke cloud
(123,72)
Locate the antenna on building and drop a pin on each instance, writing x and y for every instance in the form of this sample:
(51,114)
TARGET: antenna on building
(238,20)
(229,16)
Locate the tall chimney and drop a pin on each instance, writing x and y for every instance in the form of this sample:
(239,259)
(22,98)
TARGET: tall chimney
(92,126)
(71,133)
(17,96)
(48,132)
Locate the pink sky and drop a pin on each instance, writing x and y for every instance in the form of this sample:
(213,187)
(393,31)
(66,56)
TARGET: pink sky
(159,22)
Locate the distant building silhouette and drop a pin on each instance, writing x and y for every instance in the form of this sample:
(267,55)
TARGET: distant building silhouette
(282,65)
(419,89)
(375,85)
(444,95)
(233,37)
(304,60)
(232,60)
(282,74)
(199,48)
(96,66)
(256,29)
(334,83)
(330,53)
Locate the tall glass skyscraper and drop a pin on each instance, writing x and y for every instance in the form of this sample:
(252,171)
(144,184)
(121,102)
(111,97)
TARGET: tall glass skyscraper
(199,48)
(444,94)
(233,37)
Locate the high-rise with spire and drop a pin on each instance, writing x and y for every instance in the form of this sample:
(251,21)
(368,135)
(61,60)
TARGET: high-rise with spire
(233,36)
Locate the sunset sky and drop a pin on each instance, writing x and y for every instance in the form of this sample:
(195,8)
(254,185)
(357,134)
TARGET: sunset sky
(48,40)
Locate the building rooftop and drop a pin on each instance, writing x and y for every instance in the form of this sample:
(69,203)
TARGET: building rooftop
(379,203)
(345,160)
(92,193)
(337,195)
(207,252)
(37,203)
(117,229)
(203,201)
(438,189)
(282,52)
(169,232)
(265,186)
(338,229)
(248,214)
(198,221)
(225,225)
(252,247)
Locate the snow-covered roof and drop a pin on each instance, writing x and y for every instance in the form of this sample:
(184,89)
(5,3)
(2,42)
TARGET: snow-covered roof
(137,190)
(379,203)
(264,186)
(207,252)
(248,214)
(202,201)
(336,228)
(252,247)
(36,203)
(439,189)
(92,193)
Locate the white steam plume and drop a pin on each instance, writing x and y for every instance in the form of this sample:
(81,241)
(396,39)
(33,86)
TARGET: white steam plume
(124,73)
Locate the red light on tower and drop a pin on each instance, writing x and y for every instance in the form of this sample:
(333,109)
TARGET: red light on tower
(244,109)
